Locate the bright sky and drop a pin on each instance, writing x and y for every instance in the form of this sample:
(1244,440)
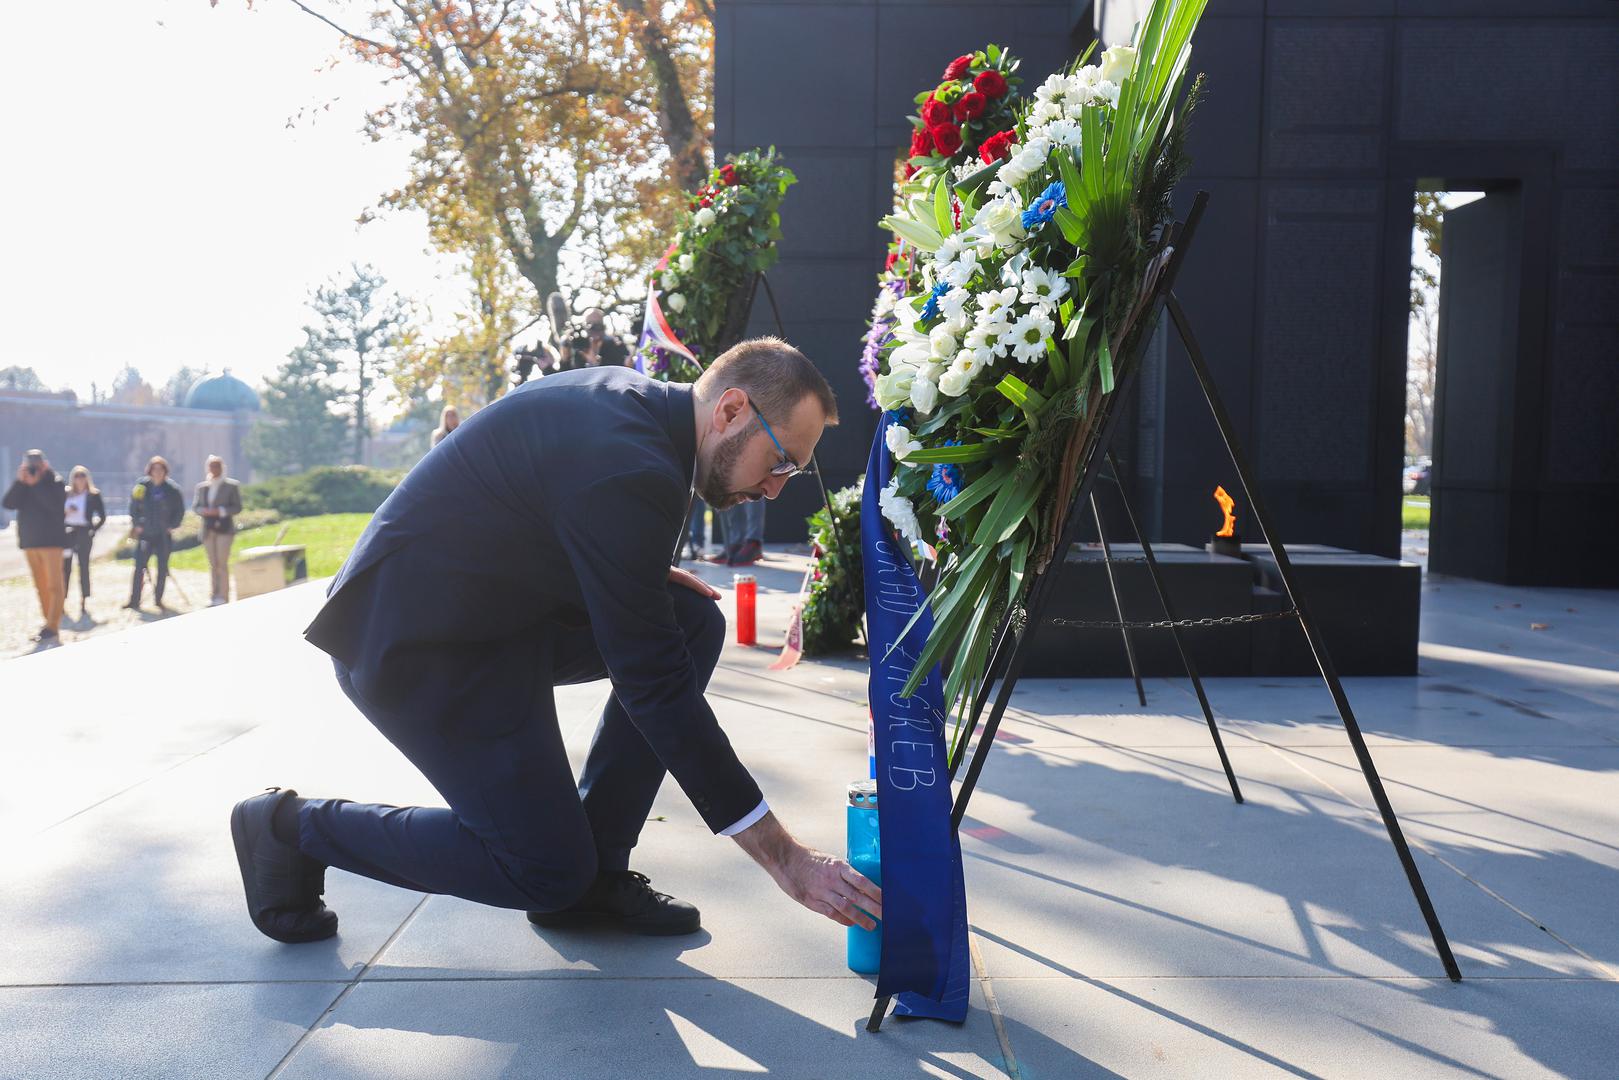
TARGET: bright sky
(158,210)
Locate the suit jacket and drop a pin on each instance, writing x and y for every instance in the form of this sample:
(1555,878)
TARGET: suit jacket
(554,511)
(229,500)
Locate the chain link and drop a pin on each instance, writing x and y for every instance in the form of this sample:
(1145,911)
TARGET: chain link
(1168,624)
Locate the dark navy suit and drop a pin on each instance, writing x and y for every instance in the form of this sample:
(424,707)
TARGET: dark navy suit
(531,548)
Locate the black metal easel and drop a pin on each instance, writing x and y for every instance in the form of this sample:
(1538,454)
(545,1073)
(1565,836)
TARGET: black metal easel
(1013,639)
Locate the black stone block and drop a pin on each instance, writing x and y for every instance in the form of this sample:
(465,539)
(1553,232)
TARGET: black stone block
(1368,609)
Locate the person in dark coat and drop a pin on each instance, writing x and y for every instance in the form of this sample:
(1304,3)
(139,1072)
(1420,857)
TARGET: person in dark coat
(83,512)
(156,506)
(37,496)
(533,549)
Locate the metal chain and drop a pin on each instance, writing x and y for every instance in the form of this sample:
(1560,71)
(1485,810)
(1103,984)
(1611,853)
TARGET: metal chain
(1168,624)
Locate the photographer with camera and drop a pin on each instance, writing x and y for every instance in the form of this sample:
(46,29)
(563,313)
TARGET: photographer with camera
(38,495)
(591,345)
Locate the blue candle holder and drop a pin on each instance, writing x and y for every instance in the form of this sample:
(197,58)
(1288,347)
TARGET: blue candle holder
(865,947)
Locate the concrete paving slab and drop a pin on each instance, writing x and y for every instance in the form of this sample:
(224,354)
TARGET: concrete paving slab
(1078,1027)
(1149,867)
(155,1032)
(695,1027)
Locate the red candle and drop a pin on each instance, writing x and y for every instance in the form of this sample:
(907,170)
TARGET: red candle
(747,594)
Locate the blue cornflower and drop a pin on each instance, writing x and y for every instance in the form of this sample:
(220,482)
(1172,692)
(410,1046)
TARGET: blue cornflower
(931,308)
(900,415)
(945,483)
(1045,204)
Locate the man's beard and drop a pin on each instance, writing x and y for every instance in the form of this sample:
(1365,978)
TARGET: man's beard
(715,488)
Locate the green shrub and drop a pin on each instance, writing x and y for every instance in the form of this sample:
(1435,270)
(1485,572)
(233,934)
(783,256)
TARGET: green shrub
(326,489)
(189,534)
(837,598)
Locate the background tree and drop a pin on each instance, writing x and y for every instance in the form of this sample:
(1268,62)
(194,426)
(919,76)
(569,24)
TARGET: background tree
(179,385)
(469,365)
(540,128)
(359,330)
(300,426)
(129,388)
(18,377)
(1422,337)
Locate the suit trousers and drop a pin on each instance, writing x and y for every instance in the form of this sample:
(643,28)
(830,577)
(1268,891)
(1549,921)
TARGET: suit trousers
(45,564)
(518,832)
(217,545)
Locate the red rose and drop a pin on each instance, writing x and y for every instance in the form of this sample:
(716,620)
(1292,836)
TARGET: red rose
(992,84)
(706,200)
(910,170)
(893,257)
(970,106)
(957,68)
(935,112)
(997,147)
(728,174)
(947,138)
(921,143)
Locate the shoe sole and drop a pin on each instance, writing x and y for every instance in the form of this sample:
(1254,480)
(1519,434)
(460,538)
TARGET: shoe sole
(244,862)
(563,920)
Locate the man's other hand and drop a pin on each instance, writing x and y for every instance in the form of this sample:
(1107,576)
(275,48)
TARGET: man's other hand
(693,582)
(823,883)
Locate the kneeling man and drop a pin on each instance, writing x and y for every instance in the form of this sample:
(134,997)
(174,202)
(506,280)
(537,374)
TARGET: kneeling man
(531,550)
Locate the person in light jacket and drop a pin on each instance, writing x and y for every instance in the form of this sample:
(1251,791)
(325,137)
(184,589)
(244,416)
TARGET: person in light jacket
(217,501)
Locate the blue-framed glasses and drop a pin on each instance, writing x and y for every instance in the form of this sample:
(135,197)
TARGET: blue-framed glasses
(786,466)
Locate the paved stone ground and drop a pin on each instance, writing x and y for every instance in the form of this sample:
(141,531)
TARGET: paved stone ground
(1129,919)
(20,619)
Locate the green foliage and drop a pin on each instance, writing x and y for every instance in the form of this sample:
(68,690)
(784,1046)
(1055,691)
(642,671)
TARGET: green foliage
(1415,512)
(189,532)
(837,597)
(327,540)
(326,490)
(300,428)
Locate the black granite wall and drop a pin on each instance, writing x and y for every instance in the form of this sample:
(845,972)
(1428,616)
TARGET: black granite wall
(1321,118)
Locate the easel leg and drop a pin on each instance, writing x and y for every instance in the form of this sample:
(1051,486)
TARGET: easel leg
(1174,631)
(1113,586)
(1329,674)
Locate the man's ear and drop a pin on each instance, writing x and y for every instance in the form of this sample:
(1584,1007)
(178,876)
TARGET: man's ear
(731,405)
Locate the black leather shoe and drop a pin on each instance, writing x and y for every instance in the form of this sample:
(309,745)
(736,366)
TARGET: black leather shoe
(624,899)
(283,886)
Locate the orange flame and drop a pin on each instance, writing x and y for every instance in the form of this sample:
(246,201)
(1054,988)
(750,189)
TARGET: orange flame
(1226,503)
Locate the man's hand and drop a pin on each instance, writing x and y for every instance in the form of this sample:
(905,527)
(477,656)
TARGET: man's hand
(823,883)
(693,582)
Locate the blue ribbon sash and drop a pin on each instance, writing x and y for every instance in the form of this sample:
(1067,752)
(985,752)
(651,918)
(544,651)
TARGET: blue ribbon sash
(924,954)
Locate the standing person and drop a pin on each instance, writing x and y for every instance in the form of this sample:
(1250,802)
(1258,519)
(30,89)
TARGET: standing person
(83,513)
(155,507)
(37,495)
(217,501)
(744,530)
(448,421)
(595,347)
(478,586)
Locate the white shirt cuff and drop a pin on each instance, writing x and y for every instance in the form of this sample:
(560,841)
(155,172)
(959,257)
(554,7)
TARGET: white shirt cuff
(752,816)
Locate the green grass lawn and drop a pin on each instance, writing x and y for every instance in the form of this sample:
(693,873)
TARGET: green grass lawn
(1413,514)
(328,537)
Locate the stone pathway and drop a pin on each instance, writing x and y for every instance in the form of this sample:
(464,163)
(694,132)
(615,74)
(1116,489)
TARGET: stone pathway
(1129,918)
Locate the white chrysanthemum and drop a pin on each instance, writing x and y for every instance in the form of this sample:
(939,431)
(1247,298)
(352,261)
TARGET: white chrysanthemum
(1064,133)
(949,249)
(1029,336)
(900,443)
(954,382)
(924,394)
(899,512)
(961,271)
(942,343)
(1042,287)
(1117,63)
(995,302)
(893,387)
(991,336)
(676,302)
(953,302)
(670,281)
(1055,88)
(703,218)
(1107,93)
(1028,161)
(686,262)
(1044,112)
(885,303)
(1082,83)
